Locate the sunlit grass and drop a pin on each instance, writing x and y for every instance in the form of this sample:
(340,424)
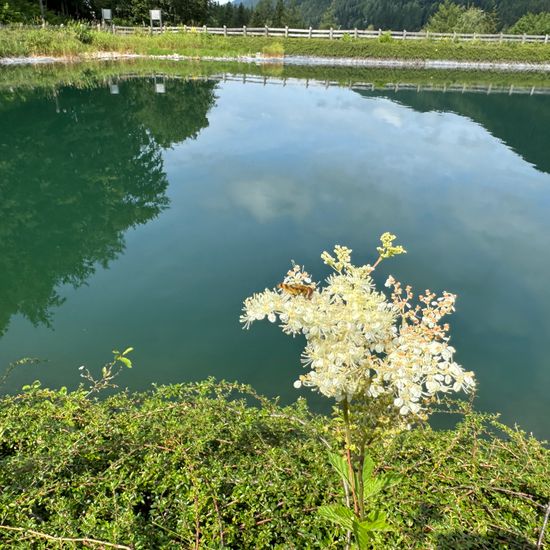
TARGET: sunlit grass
(69,42)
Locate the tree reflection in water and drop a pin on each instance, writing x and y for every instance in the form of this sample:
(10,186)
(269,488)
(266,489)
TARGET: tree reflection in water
(77,169)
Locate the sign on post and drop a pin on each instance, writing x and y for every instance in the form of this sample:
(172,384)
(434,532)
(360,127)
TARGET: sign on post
(155,15)
(106,15)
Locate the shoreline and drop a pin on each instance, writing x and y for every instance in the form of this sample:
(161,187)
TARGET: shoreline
(316,61)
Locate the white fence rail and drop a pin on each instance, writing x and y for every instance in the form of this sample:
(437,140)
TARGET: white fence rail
(334,34)
(331,34)
(394,87)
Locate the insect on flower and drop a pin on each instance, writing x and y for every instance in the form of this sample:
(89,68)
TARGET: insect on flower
(297,289)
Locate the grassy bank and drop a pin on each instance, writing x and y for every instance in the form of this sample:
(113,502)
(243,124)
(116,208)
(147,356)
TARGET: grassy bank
(78,41)
(90,74)
(196,466)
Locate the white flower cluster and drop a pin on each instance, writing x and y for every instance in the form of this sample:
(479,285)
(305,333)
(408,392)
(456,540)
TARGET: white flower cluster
(359,342)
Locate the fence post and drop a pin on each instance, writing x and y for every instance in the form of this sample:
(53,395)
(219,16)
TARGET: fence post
(427,35)
(310,30)
(355,32)
(244,30)
(266,30)
(330,33)
(546,40)
(204,29)
(523,39)
(474,37)
(501,38)
(225,30)
(184,28)
(114,29)
(404,34)
(379,32)
(286,31)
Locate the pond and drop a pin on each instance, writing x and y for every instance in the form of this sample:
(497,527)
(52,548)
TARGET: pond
(140,211)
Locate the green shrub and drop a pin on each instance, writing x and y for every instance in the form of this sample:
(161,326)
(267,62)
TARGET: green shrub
(215,465)
(532,23)
(82,33)
(385,38)
(275,49)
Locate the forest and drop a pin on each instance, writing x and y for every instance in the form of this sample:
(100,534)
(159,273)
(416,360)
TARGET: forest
(527,16)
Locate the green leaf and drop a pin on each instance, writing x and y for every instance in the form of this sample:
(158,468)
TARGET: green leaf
(363,535)
(340,465)
(125,360)
(338,514)
(368,468)
(376,521)
(127,351)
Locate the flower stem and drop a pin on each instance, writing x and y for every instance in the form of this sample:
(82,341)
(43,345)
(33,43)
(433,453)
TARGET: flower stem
(345,411)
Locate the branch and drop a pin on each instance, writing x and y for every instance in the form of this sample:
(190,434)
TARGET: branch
(66,539)
(541,537)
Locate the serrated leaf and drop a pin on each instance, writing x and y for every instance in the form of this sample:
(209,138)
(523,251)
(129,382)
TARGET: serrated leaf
(368,468)
(338,514)
(363,535)
(376,521)
(340,465)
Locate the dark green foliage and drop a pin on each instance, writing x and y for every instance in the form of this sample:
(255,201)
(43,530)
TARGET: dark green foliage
(57,225)
(329,21)
(532,24)
(455,18)
(410,14)
(163,470)
(385,14)
(229,14)
(276,13)
(197,463)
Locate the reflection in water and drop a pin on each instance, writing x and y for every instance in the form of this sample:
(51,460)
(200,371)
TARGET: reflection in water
(77,171)
(517,120)
(276,173)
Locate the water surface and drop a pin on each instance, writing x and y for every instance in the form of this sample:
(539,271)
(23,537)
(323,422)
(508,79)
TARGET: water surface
(143,218)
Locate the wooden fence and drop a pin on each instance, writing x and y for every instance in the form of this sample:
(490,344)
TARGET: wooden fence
(333,34)
(393,87)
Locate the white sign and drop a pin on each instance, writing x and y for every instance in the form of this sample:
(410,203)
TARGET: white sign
(106,15)
(155,15)
(160,88)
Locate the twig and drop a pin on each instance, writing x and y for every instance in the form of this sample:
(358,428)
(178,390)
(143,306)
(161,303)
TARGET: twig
(544,524)
(526,496)
(65,539)
(303,423)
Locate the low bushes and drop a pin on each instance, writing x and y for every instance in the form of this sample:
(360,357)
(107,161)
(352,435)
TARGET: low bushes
(213,465)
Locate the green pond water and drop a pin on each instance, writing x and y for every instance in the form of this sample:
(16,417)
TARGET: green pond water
(142,211)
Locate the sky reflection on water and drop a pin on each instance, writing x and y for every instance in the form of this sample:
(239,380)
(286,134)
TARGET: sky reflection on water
(284,173)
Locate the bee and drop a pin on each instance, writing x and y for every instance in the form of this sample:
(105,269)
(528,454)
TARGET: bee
(297,289)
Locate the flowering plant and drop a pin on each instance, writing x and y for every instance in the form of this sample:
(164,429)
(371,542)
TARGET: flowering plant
(383,359)
(359,342)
